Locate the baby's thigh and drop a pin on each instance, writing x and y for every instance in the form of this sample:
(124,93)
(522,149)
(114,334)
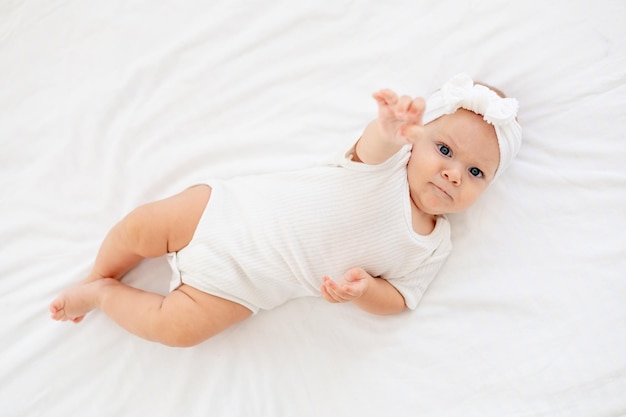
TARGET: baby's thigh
(180,215)
(194,316)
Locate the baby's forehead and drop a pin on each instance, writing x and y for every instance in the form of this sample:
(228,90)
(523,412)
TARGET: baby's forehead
(465,117)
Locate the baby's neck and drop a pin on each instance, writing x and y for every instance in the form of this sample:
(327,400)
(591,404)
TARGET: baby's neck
(423,223)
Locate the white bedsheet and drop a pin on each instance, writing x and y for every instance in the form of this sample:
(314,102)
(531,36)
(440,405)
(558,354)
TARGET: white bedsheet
(106,105)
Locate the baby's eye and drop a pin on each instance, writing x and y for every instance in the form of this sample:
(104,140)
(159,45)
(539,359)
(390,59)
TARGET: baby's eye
(475,172)
(444,150)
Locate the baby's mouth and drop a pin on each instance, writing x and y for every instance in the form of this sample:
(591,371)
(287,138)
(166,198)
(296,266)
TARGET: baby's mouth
(442,191)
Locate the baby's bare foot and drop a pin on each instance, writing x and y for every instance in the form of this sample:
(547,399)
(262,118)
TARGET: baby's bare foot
(74,303)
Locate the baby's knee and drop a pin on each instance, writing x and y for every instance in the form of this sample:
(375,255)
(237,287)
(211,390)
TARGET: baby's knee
(178,323)
(188,317)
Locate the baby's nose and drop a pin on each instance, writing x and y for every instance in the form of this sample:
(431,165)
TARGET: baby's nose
(453,175)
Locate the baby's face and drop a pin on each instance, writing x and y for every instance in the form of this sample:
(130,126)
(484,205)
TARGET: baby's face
(452,163)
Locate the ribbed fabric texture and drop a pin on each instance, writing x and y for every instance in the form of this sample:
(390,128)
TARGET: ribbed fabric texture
(265,239)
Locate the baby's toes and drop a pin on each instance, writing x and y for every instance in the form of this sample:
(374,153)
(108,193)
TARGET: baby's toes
(57,310)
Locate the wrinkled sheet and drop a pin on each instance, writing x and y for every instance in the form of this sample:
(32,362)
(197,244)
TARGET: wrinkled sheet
(107,105)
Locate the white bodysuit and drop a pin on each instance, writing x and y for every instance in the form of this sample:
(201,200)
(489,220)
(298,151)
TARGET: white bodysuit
(265,239)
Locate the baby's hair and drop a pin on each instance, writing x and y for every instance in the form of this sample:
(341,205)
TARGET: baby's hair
(492,88)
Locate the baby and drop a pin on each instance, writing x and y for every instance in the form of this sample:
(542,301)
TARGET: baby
(369,228)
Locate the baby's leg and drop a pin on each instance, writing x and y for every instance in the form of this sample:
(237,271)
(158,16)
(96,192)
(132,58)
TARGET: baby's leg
(149,231)
(183,318)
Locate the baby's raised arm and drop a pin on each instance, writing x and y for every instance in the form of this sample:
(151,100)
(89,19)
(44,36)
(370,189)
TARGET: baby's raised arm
(399,122)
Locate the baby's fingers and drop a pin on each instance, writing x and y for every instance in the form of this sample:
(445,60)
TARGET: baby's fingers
(403,107)
(385,97)
(415,110)
(326,295)
(335,291)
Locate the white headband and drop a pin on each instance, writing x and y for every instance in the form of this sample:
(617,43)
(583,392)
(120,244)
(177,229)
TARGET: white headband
(461,92)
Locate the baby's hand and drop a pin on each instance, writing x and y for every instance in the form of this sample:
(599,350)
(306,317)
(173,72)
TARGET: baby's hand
(349,287)
(399,118)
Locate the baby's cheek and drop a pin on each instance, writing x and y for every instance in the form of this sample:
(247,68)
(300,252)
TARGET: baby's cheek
(470,197)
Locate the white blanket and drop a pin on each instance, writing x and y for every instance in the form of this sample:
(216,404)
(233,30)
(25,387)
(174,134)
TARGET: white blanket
(106,105)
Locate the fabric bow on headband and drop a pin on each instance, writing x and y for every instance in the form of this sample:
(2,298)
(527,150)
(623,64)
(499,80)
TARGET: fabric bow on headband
(461,92)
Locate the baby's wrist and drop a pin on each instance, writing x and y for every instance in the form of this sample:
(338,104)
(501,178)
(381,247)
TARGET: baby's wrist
(383,133)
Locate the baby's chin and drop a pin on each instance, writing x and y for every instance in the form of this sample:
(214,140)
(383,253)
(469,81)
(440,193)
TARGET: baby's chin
(437,210)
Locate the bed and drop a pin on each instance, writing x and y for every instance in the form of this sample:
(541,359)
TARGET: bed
(108,105)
